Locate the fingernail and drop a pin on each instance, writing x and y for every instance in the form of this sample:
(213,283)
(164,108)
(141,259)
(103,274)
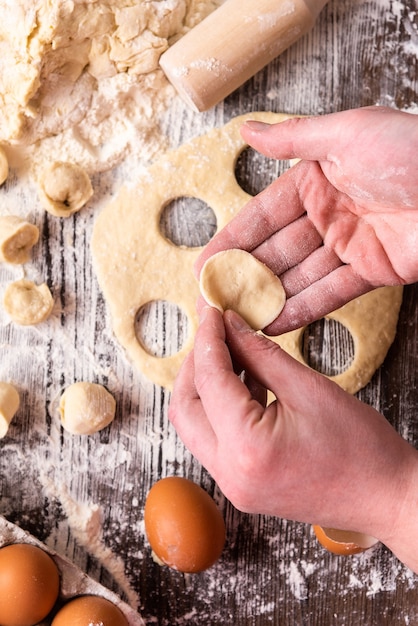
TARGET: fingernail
(257,126)
(236,321)
(204,313)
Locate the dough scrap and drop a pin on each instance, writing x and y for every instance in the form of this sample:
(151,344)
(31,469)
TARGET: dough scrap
(127,244)
(9,404)
(85,408)
(17,238)
(28,303)
(371,321)
(235,279)
(64,188)
(4,166)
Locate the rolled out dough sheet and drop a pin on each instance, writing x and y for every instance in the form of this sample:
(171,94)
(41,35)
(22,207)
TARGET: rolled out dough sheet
(136,265)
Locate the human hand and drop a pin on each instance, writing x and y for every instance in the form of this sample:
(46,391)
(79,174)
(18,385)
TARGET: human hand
(342,221)
(316,455)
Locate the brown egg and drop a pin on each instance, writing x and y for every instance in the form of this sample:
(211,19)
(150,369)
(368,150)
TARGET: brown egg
(89,611)
(29,583)
(183,524)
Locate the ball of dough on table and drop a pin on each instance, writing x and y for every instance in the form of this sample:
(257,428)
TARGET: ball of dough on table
(64,188)
(17,238)
(235,279)
(28,303)
(9,404)
(85,408)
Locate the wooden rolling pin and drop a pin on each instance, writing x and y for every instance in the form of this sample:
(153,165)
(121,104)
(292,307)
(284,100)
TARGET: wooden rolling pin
(232,44)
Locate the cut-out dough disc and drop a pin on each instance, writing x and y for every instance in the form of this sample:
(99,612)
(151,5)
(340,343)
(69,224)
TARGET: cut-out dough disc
(235,279)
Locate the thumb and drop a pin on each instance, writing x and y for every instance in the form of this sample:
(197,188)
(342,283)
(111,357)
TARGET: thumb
(264,360)
(308,138)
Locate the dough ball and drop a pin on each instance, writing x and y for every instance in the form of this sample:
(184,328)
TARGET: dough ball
(17,238)
(86,408)
(4,166)
(235,279)
(9,404)
(65,188)
(27,303)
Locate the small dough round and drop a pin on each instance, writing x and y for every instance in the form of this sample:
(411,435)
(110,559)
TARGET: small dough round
(65,188)
(17,238)
(235,279)
(85,408)
(9,404)
(4,166)
(28,303)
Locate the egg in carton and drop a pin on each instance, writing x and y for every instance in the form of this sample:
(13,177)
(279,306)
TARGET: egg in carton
(73,581)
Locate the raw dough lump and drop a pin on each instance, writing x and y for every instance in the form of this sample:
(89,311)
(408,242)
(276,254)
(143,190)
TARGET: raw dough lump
(65,188)
(9,404)
(17,238)
(235,279)
(28,303)
(85,408)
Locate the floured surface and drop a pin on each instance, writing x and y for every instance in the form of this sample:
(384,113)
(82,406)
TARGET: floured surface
(84,496)
(80,80)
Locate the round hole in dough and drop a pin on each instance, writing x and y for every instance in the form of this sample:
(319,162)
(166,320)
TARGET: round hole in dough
(235,279)
(188,221)
(254,171)
(328,347)
(154,324)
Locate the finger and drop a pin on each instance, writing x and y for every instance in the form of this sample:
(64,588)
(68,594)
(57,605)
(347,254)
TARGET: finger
(221,391)
(188,416)
(318,299)
(317,265)
(257,391)
(272,209)
(264,360)
(309,138)
(289,246)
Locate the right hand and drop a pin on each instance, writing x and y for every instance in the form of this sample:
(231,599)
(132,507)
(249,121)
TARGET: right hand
(342,221)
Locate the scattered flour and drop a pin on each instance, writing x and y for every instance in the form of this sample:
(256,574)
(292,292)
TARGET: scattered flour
(80,79)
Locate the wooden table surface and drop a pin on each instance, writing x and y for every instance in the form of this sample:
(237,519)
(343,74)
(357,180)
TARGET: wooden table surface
(84,496)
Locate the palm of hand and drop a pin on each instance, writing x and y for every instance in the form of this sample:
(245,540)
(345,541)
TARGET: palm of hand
(377,238)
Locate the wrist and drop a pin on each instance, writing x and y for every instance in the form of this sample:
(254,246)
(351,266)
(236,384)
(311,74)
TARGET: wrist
(401,534)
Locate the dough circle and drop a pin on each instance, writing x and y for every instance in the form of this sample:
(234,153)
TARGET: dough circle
(203,168)
(28,303)
(235,279)
(85,408)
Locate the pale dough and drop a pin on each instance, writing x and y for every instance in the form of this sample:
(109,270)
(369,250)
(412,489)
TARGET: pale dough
(85,408)
(235,279)
(9,404)
(136,264)
(28,303)
(64,188)
(17,238)
(4,166)
(371,320)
